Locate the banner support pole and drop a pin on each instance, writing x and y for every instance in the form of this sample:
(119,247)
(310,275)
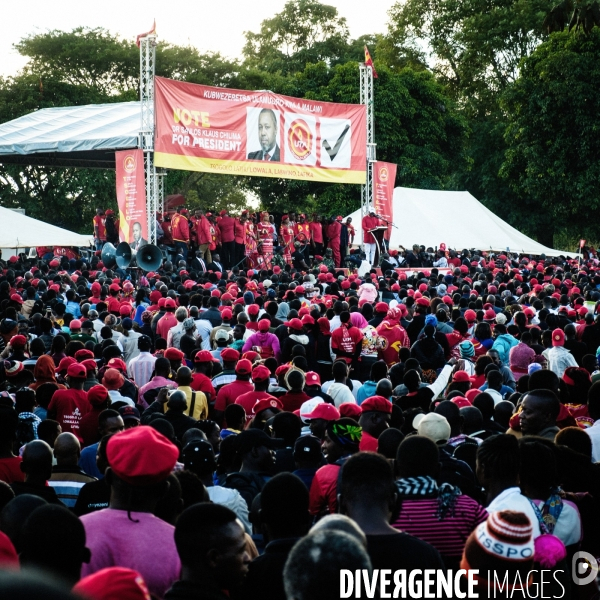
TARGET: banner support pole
(367,98)
(146,136)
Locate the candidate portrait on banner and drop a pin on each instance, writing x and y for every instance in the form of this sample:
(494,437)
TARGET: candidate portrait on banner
(262,134)
(138,240)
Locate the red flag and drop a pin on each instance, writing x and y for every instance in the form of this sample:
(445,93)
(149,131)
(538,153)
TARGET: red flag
(143,35)
(581,243)
(369,62)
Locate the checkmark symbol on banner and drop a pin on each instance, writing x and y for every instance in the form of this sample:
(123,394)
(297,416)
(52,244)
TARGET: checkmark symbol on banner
(338,144)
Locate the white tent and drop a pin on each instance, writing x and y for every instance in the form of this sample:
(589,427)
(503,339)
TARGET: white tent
(429,218)
(20,231)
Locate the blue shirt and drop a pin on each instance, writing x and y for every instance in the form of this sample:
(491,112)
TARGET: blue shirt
(366,390)
(87,461)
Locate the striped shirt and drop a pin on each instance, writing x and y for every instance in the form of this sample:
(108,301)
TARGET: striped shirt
(140,368)
(67,483)
(418,517)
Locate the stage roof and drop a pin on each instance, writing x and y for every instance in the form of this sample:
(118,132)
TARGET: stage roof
(71,136)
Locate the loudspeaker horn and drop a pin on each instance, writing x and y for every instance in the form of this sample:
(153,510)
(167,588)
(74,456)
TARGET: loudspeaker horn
(123,255)
(108,255)
(149,257)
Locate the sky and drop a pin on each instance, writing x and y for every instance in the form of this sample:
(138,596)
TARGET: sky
(208,25)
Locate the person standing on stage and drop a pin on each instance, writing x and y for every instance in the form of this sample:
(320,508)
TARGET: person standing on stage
(287,239)
(251,244)
(302,231)
(334,232)
(351,233)
(316,235)
(368,224)
(266,231)
(239,231)
(226,226)
(180,229)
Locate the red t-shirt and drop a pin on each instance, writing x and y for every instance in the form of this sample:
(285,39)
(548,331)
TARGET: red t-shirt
(316,232)
(114,304)
(226,226)
(69,406)
(368,443)
(164,324)
(293,401)
(229,393)
(345,339)
(202,383)
(10,469)
(100,223)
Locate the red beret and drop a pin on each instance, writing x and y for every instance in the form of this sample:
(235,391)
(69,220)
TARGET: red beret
(382,307)
(253,309)
(378,404)
(97,395)
(229,354)
(350,410)
(89,364)
(267,403)
(125,310)
(83,354)
(113,582)
(422,301)
(141,456)
(470,315)
(174,354)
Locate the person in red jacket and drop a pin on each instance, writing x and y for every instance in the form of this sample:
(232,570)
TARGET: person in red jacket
(168,234)
(334,232)
(369,223)
(180,229)
(202,229)
(342,440)
(226,226)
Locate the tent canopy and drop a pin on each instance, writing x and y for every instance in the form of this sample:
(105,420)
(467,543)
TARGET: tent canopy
(20,231)
(430,217)
(71,136)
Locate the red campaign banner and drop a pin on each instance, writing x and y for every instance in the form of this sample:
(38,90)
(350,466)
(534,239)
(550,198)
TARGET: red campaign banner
(384,178)
(131,197)
(261,134)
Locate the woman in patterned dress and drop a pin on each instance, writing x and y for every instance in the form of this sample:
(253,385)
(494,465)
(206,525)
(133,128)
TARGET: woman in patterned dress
(266,231)
(287,238)
(251,244)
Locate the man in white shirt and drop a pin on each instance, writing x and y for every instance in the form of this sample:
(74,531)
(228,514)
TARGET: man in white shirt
(140,368)
(498,463)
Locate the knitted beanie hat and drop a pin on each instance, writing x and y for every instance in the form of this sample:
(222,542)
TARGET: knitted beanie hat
(467,350)
(502,545)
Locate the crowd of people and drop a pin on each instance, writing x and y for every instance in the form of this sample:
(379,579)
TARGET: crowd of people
(208,432)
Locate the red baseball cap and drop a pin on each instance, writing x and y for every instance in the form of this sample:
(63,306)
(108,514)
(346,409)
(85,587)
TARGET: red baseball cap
(118,364)
(90,365)
(470,315)
(64,364)
(264,324)
(97,395)
(294,324)
(377,404)
(83,354)
(461,376)
(460,401)
(243,367)
(141,456)
(76,370)
(229,354)
(253,309)
(170,303)
(16,298)
(204,356)
(324,411)
(18,340)
(312,378)
(260,373)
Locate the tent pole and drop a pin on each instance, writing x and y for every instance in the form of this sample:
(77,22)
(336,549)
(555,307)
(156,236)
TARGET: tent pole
(146,138)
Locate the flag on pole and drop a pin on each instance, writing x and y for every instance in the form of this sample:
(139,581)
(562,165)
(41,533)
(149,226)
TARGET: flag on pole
(143,35)
(369,62)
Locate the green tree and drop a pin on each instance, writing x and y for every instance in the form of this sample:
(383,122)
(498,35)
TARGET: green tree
(305,31)
(552,161)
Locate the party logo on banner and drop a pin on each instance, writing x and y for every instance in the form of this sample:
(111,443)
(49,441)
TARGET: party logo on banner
(300,139)
(129,163)
(383,174)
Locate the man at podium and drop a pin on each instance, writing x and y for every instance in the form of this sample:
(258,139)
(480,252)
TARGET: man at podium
(368,224)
